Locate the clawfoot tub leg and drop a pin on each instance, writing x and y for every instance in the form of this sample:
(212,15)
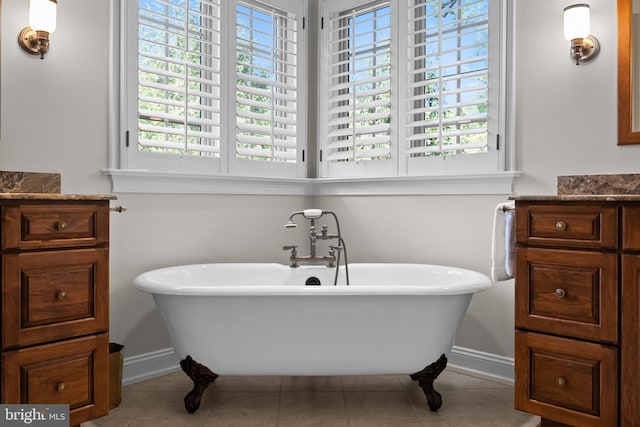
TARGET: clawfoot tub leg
(425,380)
(201,377)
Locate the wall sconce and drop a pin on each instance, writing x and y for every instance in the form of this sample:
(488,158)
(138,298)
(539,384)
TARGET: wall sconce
(34,39)
(584,47)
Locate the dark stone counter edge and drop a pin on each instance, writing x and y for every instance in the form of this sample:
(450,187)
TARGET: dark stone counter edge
(50,196)
(579,198)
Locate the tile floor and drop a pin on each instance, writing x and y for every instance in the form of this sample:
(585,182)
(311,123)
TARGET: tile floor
(347,401)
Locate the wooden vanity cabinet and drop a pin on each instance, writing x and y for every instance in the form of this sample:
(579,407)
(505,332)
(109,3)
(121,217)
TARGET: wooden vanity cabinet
(54,310)
(577,302)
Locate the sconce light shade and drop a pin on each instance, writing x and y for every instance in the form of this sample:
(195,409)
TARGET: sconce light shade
(42,15)
(34,39)
(577,21)
(577,26)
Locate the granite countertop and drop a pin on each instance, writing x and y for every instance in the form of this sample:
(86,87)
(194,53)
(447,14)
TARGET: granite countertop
(15,185)
(53,196)
(592,188)
(29,182)
(614,184)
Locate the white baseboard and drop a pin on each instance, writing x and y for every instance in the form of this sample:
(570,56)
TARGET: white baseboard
(149,365)
(472,362)
(480,364)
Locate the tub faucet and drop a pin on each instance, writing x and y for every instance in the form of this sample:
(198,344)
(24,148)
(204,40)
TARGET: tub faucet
(333,257)
(313,258)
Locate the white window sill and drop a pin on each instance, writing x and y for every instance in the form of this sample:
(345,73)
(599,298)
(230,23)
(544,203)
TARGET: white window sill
(144,181)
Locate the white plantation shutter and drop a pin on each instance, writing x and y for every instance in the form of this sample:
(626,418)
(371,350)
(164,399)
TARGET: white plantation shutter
(410,87)
(447,92)
(267,83)
(179,77)
(359,99)
(215,87)
(407,87)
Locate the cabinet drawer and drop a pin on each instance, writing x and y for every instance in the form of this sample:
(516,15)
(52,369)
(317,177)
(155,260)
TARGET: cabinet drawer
(55,225)
(53,295)
(73,372)
(565,380)
(571,293)
(570,225)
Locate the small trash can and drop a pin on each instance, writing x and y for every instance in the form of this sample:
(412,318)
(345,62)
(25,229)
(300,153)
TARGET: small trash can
(115,374)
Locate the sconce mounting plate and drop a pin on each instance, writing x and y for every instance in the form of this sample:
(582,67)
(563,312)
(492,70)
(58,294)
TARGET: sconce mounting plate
(27,39)
(34,42)
(590,49)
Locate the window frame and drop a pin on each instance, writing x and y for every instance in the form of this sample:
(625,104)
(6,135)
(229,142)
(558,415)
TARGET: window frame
(401,163)
(130,180)
(494,159)
(175,77)
(240,167)
(226,164)
(348,58)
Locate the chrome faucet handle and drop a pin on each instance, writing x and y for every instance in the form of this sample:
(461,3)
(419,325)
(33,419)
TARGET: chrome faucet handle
(331,259)
(294,254)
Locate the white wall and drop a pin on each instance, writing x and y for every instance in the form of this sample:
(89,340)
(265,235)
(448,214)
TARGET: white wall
(54,117)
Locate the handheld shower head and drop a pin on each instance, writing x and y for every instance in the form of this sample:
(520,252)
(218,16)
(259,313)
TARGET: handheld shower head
(311,214)
(290,224)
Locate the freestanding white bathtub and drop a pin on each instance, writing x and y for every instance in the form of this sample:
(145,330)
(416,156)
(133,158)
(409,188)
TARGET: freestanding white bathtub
(261,319)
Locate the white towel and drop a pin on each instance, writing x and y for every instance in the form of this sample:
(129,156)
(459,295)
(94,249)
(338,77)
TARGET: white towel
(503,246)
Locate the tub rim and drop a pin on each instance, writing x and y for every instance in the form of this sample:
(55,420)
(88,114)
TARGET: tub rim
(476,282)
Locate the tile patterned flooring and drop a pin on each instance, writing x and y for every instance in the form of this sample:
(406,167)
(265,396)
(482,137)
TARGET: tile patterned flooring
(347,401)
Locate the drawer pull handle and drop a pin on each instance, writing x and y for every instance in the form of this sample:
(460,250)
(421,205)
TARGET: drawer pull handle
(560,293)
(60,387)
(61,226)
(561,382)
(61,295)
(561,225)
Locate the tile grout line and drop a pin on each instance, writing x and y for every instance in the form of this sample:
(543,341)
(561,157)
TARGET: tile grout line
(344,402)
(279,401)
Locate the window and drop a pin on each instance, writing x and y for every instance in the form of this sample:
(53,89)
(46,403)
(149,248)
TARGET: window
(430,105)
(214,93)
(359,103)
(267,91)
(198,60)
(178,95)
